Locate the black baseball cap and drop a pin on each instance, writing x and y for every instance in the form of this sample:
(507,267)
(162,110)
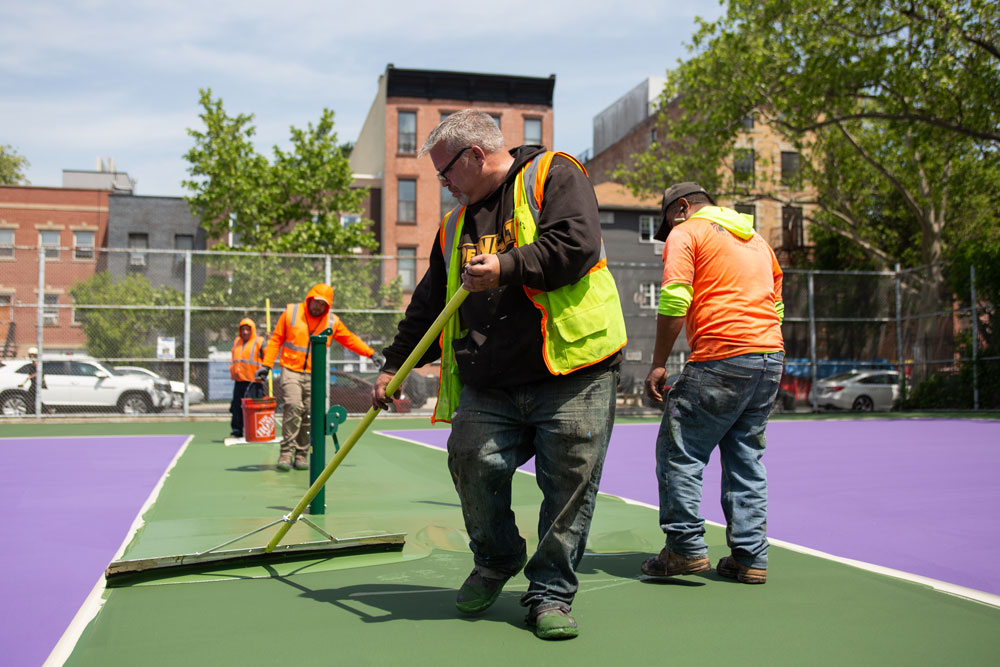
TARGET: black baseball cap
(672,194)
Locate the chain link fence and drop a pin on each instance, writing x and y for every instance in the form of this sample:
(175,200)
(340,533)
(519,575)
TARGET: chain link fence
(143,331)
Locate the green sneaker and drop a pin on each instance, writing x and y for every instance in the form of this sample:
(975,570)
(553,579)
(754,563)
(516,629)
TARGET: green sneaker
(553,622)
(482,588)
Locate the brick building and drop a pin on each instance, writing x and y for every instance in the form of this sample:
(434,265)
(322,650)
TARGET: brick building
(406,199)
(68,224)
(762,162)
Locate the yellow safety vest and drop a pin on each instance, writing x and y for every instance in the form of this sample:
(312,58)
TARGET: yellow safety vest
(582,323)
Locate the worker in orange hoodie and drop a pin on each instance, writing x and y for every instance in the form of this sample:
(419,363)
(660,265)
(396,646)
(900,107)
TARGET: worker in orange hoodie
(248,350)
(290,340)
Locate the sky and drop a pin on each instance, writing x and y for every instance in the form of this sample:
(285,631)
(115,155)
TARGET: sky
(90,79)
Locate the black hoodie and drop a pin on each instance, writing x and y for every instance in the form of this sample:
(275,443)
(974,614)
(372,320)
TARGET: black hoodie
(504,345)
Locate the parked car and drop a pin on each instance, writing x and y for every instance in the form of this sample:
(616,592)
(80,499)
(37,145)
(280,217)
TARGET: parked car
(860,390)
(79,383)
(194,392)
(355,394)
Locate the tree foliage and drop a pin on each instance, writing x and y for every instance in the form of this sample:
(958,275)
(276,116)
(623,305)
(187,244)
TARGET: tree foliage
(122,333)
(291,203)
(892,105)
(12,166)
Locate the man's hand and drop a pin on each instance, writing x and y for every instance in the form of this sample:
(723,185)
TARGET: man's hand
(379,400)
(481,273)
(655,382)
(261,374)
(378,360)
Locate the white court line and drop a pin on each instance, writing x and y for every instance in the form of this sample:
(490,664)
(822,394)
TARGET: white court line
(92,605)
(982,597)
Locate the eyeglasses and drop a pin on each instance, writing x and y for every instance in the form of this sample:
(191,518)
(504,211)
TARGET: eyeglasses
(442,175)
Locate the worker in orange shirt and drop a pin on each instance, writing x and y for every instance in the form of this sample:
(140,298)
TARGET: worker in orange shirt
(290,340)
(248,350)
(722,286)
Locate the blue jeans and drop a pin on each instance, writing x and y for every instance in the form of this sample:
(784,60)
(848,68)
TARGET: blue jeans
(726,403)
(565,423)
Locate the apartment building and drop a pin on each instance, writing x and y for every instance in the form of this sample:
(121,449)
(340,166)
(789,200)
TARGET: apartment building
(764,166)
(406,199)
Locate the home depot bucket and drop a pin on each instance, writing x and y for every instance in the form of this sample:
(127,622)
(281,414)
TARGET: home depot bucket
(258,419)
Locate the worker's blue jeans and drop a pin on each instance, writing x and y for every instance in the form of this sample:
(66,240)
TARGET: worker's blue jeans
(725,403)
(565,423)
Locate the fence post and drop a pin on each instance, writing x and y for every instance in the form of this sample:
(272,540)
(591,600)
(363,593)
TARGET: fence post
(812,342)
(187,327)
(975,338)
(899,332)
(40,332)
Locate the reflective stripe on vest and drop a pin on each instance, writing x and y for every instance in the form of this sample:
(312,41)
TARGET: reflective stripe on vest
(582,323)
(294,356)
(247,360)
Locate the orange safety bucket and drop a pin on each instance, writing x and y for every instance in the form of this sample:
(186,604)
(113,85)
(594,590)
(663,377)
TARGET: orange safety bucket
(258,419)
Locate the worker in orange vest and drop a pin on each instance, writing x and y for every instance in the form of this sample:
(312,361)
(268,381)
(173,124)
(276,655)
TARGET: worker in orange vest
(248,350)
(290,340)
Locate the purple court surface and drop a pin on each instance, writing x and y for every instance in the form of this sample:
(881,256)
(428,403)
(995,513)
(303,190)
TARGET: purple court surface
(917,495)
(67,504)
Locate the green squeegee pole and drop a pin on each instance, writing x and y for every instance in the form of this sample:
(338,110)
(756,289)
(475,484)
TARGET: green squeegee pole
(317,411)
(366,421)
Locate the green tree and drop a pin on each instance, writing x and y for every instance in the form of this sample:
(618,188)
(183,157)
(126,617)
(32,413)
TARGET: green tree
(117,333)
(292,203)
(891,104)
(12,166)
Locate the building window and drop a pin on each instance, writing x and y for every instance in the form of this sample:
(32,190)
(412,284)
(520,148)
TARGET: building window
(49,239)
(406,200)
(407,135)
(76,316)
(445,114)
(407,268)
(791,227)
(791,174)
(448,201)
(182,243)
(137,243)
(649,295)
(743,167)
(607,217)
(50,311)
(647,227)
(348,219)
(749,209)
(532,130)
(496,119)
(83,245)
(6,242)
(747,121)
(654,135)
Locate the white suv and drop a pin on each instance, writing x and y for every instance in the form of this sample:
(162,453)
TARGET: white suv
(79,384)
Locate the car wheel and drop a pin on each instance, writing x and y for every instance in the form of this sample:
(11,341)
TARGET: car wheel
(135,404)
(15,404)
(863,404)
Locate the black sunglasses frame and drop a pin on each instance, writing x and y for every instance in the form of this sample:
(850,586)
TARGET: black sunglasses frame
(442,175)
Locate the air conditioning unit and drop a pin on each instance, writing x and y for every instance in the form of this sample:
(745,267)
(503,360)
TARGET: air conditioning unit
(137,259)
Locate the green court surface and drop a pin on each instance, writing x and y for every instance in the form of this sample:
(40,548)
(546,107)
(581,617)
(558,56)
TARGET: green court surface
(398,608)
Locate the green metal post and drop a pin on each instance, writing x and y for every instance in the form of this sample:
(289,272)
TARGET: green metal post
(317,416)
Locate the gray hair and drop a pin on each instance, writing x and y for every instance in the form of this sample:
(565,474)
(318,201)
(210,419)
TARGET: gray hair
(467,127)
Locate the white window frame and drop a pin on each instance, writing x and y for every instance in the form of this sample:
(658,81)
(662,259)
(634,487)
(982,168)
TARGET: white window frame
(50,310)
(7,246)
(649,295)
(51,250)
(407,257)
(532,139)
(410,146)
(400,201)
(84,251)
(647,223)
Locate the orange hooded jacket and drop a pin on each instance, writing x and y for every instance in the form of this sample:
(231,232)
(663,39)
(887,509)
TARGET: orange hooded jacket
(291,333)
(246,356)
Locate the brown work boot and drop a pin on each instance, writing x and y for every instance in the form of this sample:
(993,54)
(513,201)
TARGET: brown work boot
(284,463)
(729,568)
(301,462)
(669,564)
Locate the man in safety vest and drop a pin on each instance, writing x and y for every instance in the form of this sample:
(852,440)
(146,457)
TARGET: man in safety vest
(722,285)
(248,350)
(529,364)
(290,340)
